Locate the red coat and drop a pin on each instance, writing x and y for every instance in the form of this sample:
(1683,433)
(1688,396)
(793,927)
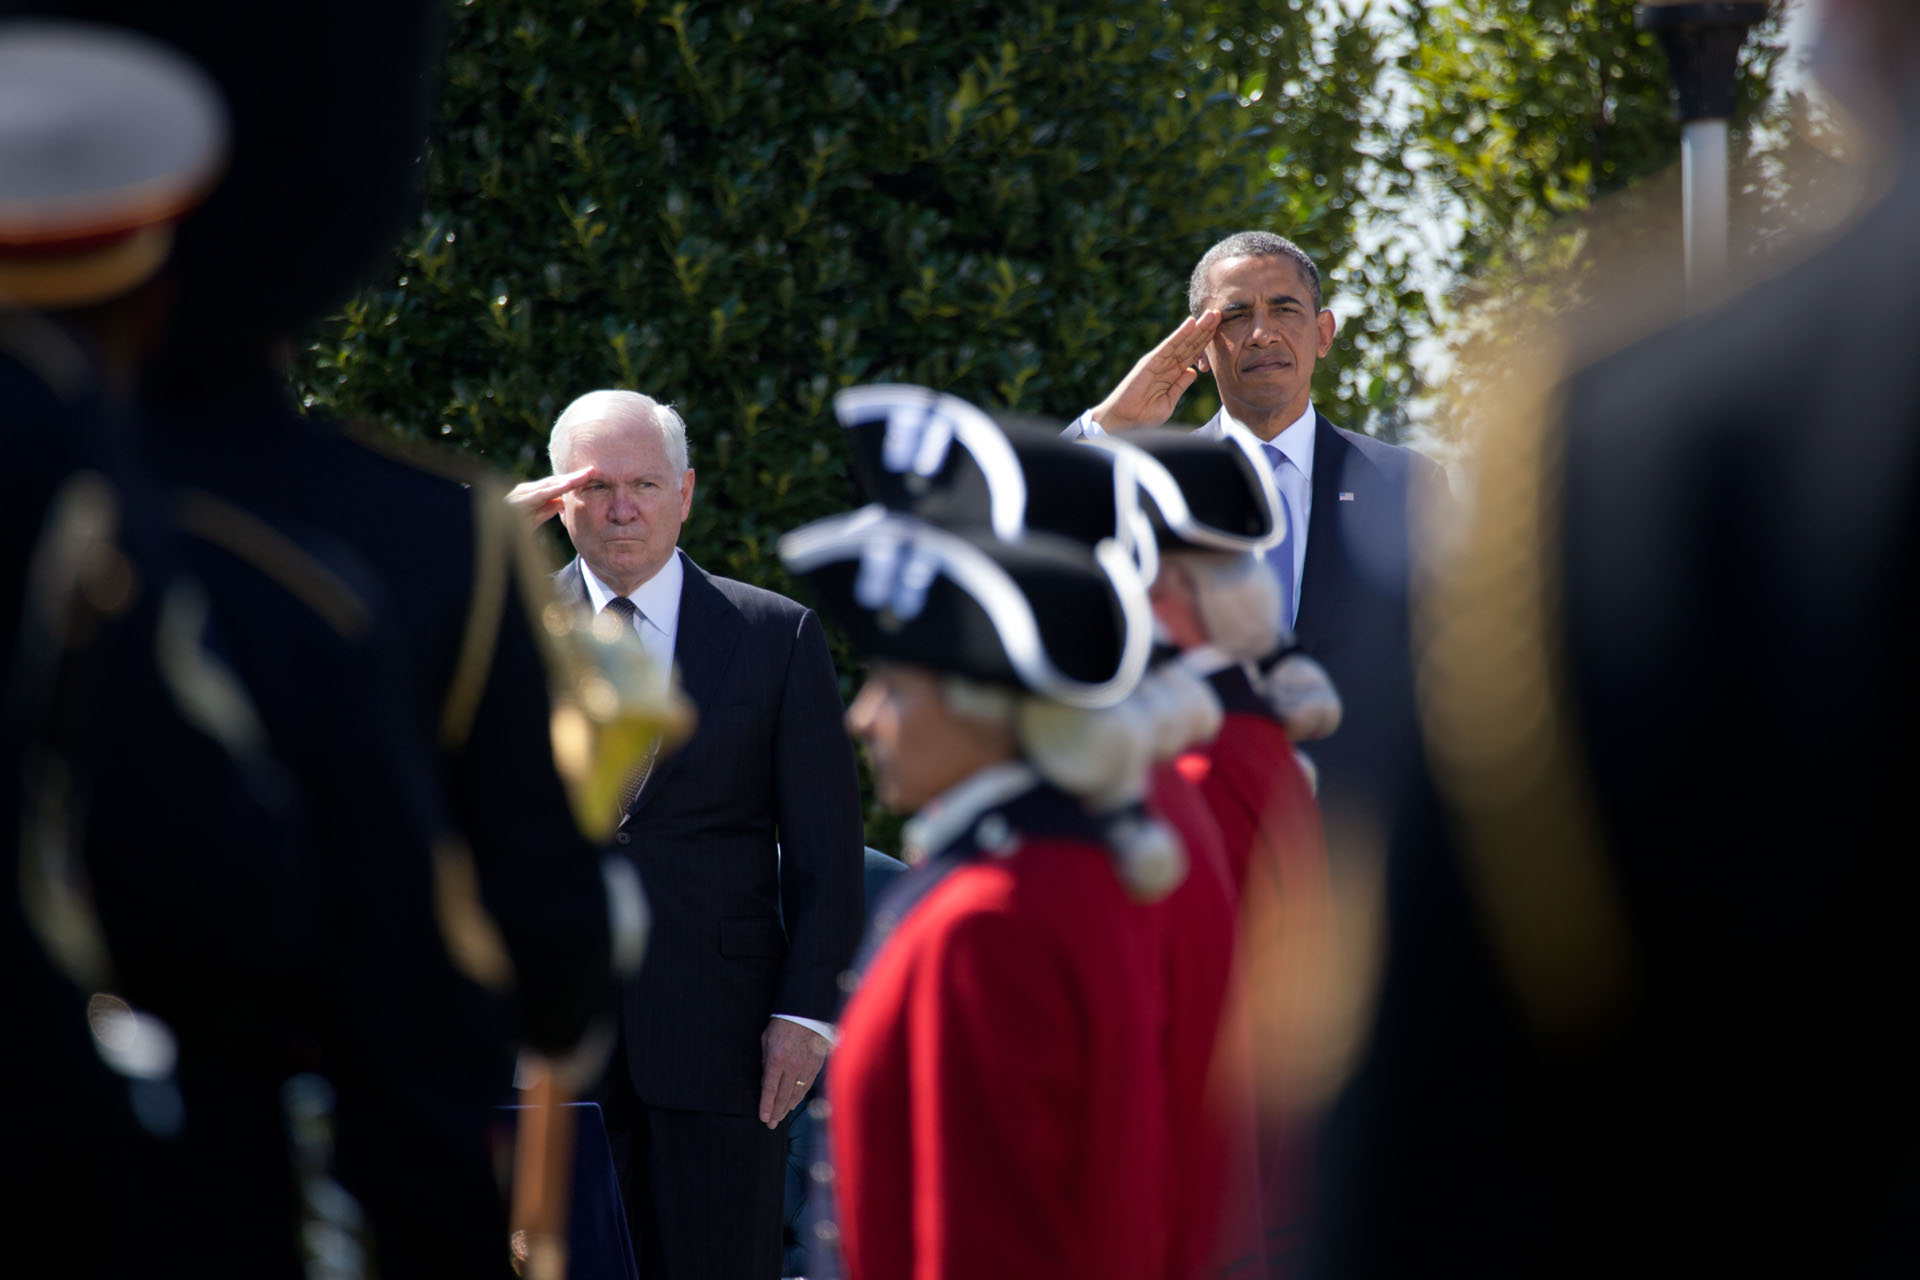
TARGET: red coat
(1259,795)
(1270,823)
(1195,924)
(996,1089)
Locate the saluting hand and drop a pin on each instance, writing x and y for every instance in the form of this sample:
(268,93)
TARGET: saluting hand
(1151,391)
(793,1056)
(539,500)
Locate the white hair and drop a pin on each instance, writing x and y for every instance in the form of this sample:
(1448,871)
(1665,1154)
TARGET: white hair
(616,408)
(1099,756)
(1237,596)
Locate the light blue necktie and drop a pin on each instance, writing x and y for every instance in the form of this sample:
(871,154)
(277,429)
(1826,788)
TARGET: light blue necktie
(1281,554)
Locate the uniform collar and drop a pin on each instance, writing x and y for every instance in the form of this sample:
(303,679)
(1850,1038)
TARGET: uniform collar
(948,815)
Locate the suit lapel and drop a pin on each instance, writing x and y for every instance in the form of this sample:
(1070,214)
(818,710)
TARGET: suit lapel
(702,649)
(1324,576)
(570,586)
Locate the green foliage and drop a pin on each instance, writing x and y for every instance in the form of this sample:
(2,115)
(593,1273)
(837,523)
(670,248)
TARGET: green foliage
(1520,115)
(744,208)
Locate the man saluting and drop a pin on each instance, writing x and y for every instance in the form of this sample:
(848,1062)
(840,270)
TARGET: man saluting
(747,839)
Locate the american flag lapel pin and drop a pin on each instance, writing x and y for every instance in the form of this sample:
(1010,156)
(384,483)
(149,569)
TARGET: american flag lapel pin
(1346,495)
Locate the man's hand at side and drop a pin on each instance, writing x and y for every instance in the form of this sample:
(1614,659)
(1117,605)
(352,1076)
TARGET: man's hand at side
(793,1056)
(1151,391)
(539,500)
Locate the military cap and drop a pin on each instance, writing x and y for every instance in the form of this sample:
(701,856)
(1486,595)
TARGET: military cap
(1041,615)
(330,103)
(106,141)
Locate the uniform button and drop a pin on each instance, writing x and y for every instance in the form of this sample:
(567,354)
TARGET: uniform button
(623,837)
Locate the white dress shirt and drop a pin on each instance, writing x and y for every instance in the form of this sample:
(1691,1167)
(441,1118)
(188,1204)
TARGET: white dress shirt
(658,602)
(1293,476)
(658,624)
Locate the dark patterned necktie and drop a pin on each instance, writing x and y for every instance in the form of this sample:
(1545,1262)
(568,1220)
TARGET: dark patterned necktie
(636,780)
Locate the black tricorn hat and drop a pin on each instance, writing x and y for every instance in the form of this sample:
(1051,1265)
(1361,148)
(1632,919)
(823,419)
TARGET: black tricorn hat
(1042,614)
(1203,492)
(939,458)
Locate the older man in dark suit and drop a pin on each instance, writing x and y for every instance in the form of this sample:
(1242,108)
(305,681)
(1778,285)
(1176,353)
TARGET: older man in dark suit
(1257,323)
(747,839)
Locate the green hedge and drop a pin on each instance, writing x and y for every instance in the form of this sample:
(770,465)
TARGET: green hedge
(743,208)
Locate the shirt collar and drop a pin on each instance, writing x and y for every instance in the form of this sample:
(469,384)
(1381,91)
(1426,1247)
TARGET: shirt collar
(658,598)
(943,819)
(1296,442)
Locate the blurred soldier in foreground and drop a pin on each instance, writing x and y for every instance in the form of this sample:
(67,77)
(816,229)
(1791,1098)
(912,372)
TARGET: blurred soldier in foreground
(519,930)
(145,852)
(997,1089)
(1649,1008)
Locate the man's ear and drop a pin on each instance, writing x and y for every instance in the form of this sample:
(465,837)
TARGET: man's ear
(1328,325)
(686,494)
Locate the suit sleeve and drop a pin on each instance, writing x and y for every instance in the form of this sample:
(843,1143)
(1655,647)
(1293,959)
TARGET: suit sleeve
(817,791)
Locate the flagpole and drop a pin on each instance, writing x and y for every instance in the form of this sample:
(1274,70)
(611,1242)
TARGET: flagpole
(1703,49)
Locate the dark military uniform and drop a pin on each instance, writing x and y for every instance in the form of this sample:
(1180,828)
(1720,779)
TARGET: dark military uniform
(149,854)
(1648,1006)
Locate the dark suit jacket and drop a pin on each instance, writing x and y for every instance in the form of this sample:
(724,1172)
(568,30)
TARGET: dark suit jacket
(739,932)
(1353,616)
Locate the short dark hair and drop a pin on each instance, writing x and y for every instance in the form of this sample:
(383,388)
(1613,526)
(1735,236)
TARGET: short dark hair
(1249,244)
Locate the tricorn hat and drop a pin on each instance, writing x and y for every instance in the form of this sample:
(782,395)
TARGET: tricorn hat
(942,459)
(106,140)
(1042,615)
(1203,492)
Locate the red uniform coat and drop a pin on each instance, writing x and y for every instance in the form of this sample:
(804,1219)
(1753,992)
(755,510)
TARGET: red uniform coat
(997,1092)
(1270,823)
(1195,924)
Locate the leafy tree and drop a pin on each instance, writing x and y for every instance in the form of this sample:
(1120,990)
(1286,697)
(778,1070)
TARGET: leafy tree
(743,208)
(1517,117)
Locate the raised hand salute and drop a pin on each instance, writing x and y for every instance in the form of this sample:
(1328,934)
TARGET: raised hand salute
(1151,391)
(540,500)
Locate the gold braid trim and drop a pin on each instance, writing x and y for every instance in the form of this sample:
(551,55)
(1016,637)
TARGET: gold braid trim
(246,536)
(492,555)
(1503,740)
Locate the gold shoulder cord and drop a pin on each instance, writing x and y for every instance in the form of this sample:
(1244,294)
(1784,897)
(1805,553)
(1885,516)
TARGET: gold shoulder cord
(494,536)
(1503,741)
(76,578)
(46,350)
(492,567)
(244,535)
